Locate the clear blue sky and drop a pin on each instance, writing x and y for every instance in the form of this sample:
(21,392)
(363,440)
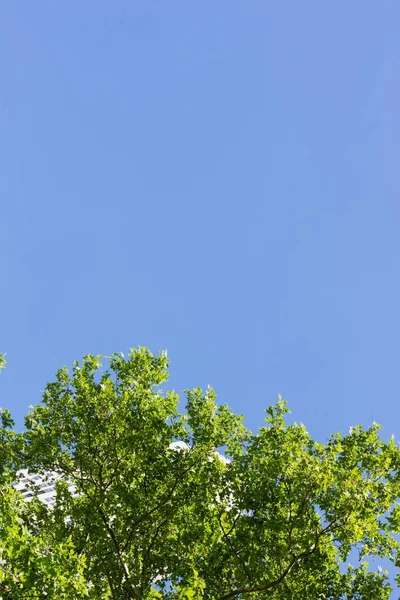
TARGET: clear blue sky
(218,178)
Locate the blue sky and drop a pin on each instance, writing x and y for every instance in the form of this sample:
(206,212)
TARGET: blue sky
(215,178)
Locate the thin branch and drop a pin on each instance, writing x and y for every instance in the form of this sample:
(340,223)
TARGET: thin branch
(268,585)
(158,506)
(117,549)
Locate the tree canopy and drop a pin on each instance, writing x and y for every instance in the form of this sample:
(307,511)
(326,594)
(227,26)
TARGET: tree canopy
(224,513)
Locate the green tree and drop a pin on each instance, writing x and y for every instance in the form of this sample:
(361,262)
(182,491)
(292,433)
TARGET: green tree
(278,521)
(33,562)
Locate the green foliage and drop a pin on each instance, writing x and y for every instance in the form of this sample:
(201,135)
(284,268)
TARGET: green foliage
(279,520)
(33,562)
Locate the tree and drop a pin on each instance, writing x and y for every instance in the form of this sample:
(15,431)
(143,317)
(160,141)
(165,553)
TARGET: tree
(154,519)
(33,562)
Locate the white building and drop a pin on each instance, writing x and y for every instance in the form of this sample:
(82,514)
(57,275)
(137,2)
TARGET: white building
(29,483)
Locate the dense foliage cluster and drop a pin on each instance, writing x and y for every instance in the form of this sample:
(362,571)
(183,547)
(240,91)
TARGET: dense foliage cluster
(149,519)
